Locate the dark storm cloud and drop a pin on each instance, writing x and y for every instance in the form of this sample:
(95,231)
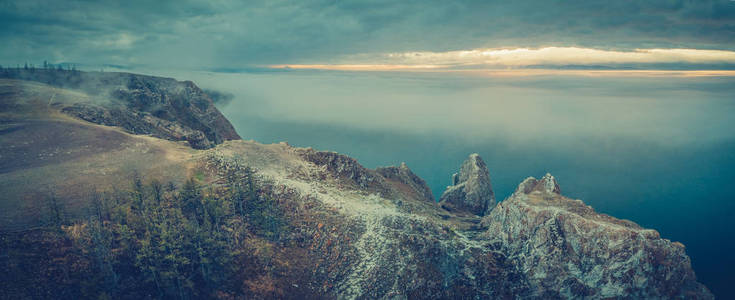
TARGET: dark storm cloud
(234,33)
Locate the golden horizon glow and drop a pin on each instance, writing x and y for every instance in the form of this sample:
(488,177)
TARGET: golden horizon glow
(355,67)
(603,73)
(500,60)
(562,56)
(520,72)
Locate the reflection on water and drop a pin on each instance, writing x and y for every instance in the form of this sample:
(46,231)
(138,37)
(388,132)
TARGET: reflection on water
(658,151)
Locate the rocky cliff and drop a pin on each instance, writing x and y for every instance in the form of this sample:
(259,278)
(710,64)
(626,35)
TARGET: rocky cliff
(567,250)
(161,107)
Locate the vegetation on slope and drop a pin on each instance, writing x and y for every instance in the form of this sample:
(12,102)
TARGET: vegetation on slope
(149,241)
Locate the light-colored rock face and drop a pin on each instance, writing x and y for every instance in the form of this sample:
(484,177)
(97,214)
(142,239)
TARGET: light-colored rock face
(567,250)
(471,190)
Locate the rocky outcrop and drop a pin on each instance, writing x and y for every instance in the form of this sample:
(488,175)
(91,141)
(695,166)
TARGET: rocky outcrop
(408,180)
(546,184)
(176,101)
(567,250)
(471,190)
(396,182)
(341,166)
(162,107)
(139,123)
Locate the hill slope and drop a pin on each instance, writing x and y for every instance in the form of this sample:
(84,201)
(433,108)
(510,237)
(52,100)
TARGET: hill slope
(44,151)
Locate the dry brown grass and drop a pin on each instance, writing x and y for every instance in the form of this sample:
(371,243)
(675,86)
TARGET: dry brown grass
(43,150)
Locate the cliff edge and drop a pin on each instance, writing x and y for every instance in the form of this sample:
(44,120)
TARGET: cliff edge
(140,104)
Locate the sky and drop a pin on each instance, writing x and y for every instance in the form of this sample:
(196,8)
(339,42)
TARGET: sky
(628,103)
(459,34)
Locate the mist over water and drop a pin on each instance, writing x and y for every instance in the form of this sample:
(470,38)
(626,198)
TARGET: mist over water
(657,151)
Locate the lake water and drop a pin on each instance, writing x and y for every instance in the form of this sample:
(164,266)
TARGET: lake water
(657,151)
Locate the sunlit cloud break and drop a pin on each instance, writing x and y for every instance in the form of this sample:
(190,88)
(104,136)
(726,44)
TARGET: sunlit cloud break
(562,56)
(552,57)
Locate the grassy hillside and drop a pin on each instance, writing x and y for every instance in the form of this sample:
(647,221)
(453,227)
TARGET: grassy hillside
(43,151)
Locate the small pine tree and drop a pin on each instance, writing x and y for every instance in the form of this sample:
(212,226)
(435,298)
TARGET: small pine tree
(157,191)
(171,186)
(138,193)
(56,211)
(191,199)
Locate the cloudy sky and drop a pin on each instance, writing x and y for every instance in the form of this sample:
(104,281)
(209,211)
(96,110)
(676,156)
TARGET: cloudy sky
(382,34)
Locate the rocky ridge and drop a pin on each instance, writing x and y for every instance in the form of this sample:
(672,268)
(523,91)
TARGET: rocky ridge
(537,244)
(374,242)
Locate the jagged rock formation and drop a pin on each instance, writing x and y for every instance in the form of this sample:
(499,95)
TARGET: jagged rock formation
(471,190)
(567,250)
(162,107)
